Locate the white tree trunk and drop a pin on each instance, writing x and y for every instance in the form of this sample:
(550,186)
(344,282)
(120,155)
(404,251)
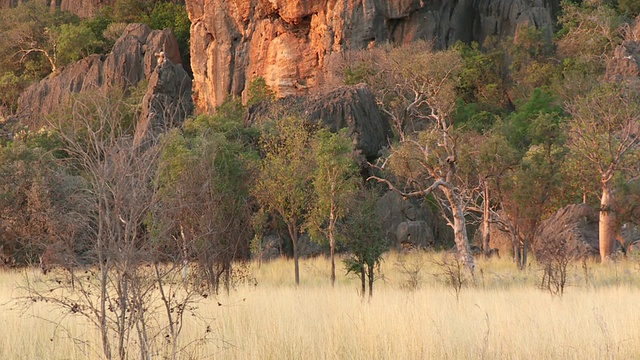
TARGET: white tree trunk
(607,224)
(460,230)
(486,223)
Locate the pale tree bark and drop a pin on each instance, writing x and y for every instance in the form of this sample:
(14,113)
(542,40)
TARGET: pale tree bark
(607,223)
(460,229)
(458,223)
(51,58)
(486,221)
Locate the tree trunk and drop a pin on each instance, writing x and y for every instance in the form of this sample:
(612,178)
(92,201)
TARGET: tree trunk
(185,256)
(525,250)
(607,224)
(516,249)
(332,243)
(460,230)
(363,275)
(371,273)
(486,223)
(296,256)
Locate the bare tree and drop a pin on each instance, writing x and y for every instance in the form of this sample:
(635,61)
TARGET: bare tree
(122,282)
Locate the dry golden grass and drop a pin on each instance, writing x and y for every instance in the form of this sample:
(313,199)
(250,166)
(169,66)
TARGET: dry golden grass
(503,315)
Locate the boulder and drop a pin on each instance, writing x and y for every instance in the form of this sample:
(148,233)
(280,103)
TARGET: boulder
(574,226)
(132,59)
(350,107)
(308,248)
(354,108)
(289,42)
(405,221)
(416,234)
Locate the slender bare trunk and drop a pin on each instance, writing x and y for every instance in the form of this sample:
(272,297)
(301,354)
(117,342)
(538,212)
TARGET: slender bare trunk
(104,330)
(607,224)
(363,282)
(167,305)
(486,223)
(293,232)
(516,253)
(371,273)
(104,263)
(460,230)
(185,256)
(525,253)
(332,243)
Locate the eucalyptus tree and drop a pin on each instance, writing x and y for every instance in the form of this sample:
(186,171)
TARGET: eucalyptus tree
(335,181)
(284,177)
(426,158)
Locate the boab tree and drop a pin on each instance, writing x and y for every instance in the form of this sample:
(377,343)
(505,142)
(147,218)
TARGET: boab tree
(604,133)
(427,155)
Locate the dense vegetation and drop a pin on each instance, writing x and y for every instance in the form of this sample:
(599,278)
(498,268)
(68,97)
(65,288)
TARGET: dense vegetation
(507,131)
(503,133)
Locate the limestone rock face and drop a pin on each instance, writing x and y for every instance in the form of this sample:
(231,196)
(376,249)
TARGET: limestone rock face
(288,42)
(132,60)
(354,108)
(82,8)
(167,102)
(350,107)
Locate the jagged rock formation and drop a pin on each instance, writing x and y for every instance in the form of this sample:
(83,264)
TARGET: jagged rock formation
(574,225)
(351,107)
(131,61)
(167,101)
(288,42)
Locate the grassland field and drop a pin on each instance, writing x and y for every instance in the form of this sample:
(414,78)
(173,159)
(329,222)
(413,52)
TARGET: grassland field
(501,314)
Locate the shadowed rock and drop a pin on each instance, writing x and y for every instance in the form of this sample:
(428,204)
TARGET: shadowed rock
(132,60)
(405,222)
(350,107)
(574,225)
(166,103)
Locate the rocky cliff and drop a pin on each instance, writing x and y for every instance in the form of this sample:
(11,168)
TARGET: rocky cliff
(132,60)
(166,103)
(288,42)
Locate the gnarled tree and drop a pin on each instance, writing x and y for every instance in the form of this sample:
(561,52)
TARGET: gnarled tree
(427,157)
